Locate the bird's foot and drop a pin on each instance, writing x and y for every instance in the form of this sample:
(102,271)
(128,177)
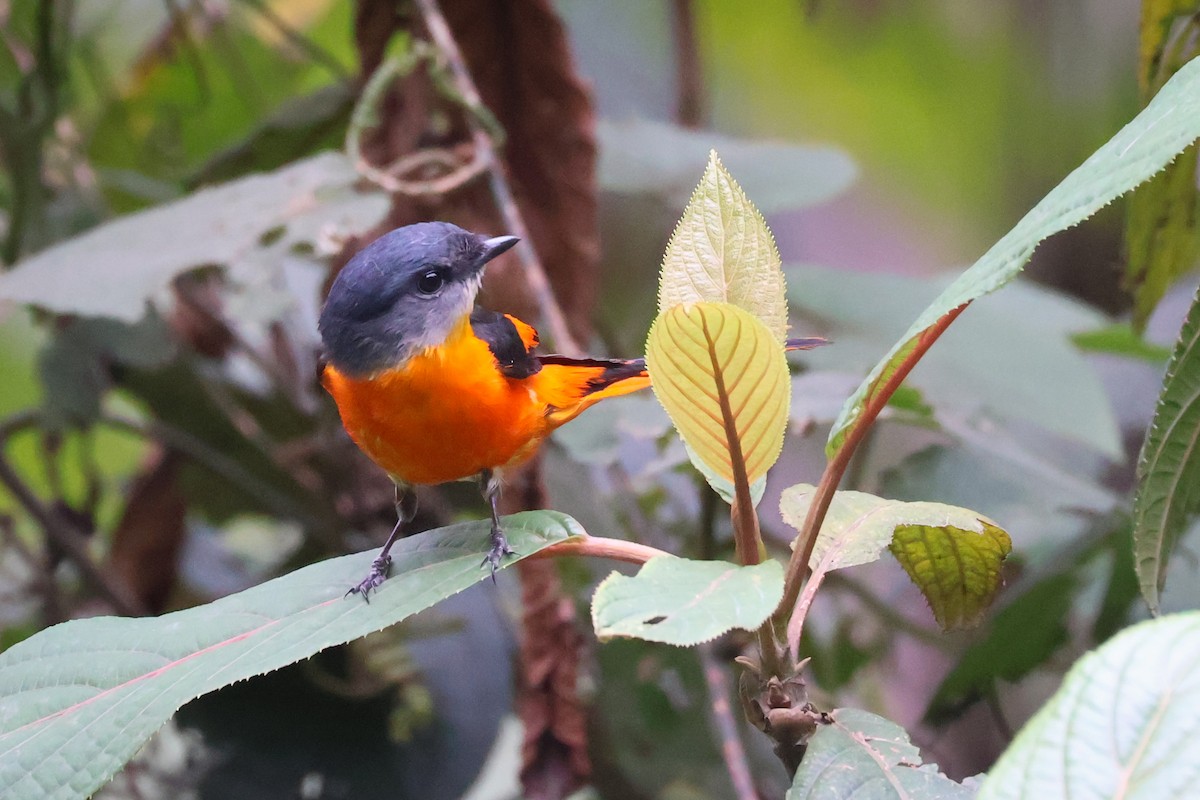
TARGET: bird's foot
(497,553)
(378,574)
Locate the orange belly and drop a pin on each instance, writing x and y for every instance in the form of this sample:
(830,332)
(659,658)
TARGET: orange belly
(446,414)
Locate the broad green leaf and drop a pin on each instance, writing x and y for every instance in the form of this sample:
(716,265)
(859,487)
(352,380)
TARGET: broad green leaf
(116,269)
(1120,340)
(684,602)
(717,370)
(865,757)
(984,365)
(647,157)
(79,699)
(1122,725)
(952,554)
(722,251)
(1168,492)
(1153,139)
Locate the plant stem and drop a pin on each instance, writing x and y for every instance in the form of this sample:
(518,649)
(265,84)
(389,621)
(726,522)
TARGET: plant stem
(876,401)
(601,547)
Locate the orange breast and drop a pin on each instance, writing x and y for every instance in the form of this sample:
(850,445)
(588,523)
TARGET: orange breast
(446,414)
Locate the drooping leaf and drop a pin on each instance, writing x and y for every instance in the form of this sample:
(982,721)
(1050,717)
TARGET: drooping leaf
(957,570)
(648,157)
(1123,724)
(722,251)
(116,269)
(79,699)
(1120,340)
(1168,125)
(1168,492)
(953,555)
(683,602)
(718,371)
(865,757)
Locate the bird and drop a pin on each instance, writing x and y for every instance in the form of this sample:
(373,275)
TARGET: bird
(432,387)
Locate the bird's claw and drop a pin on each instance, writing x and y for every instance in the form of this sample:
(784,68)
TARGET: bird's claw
(497,553)
(378,574)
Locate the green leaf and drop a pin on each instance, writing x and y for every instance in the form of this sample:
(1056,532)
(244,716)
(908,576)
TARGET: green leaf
(957,570)
(866,757)
(1168,492)
(116,269)
(79,699)
(683,602)
(1120,340)
(1021,637)
(953,555)
(643,156)
(1153,139)
(722,251)
(1123,724)
(718,370)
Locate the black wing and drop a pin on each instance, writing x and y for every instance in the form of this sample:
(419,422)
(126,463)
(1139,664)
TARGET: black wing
(504,340)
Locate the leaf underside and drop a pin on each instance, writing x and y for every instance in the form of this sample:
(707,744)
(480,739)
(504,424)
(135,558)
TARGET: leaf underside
(1123,723)
(717,369)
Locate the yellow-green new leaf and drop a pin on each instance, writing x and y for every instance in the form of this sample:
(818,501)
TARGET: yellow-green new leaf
(723,379)
(722,251)
(952,554)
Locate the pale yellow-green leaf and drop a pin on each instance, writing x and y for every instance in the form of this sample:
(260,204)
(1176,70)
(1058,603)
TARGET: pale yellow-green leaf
(717,370)
(952,554)
(722,251)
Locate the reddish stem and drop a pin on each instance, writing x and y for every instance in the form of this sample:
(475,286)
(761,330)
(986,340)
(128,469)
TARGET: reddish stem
(600,547)
(836,468)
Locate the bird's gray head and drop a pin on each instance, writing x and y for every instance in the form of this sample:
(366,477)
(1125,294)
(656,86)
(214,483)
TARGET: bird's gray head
(402,293)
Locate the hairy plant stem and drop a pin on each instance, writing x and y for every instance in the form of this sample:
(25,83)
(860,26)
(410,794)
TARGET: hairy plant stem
(797,569)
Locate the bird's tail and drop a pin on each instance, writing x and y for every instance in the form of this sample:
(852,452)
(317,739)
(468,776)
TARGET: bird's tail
(571,385)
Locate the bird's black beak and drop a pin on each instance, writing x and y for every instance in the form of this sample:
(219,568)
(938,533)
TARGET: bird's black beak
(495,246)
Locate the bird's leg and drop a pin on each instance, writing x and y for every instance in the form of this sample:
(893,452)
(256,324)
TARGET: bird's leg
(489,485)
(406,509)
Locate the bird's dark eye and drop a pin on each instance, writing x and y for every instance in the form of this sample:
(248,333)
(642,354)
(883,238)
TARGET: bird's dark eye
(430,282)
